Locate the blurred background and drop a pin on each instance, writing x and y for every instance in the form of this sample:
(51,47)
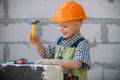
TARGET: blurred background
(102,29)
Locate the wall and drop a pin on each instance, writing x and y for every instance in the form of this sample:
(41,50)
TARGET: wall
(102,29)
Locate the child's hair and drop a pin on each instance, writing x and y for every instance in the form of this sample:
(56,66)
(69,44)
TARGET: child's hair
(78,20)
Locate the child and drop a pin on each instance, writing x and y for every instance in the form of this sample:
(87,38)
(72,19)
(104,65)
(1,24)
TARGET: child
(71,50)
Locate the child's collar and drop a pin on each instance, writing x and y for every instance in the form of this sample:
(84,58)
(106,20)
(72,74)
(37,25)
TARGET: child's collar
(76,35)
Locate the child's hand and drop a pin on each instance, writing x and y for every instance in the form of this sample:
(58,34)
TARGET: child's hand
(44,62)
(34,39)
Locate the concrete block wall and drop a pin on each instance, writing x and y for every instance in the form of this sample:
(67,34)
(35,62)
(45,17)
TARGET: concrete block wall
(102,29)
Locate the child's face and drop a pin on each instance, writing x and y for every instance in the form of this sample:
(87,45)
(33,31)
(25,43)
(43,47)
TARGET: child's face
(68,29)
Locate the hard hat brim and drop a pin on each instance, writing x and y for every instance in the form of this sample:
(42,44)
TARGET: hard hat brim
(55,19)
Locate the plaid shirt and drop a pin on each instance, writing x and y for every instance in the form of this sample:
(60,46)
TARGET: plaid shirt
(82,53)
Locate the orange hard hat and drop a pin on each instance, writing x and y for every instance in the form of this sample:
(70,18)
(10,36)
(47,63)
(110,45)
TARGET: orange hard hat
(68,11)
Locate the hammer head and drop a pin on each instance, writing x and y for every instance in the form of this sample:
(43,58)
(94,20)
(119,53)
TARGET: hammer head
(35,21)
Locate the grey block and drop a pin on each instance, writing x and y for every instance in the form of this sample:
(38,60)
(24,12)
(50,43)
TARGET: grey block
(30,72)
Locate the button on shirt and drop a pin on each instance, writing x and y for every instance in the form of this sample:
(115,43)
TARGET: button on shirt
(82,53)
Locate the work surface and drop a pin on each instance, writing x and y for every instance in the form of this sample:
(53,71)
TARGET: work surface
(30,72)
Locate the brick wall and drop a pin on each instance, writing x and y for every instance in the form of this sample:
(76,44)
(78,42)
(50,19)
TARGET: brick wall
(102,29)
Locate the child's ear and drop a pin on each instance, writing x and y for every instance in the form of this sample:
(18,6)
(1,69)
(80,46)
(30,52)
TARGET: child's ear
(78,25)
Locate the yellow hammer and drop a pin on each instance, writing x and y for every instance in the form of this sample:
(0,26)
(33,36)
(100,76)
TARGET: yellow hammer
(33,31)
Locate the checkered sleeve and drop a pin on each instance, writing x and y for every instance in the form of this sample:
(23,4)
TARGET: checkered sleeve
(83,54)
(50,50)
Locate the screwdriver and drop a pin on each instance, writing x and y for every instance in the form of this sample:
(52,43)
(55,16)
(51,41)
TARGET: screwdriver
(21,61)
